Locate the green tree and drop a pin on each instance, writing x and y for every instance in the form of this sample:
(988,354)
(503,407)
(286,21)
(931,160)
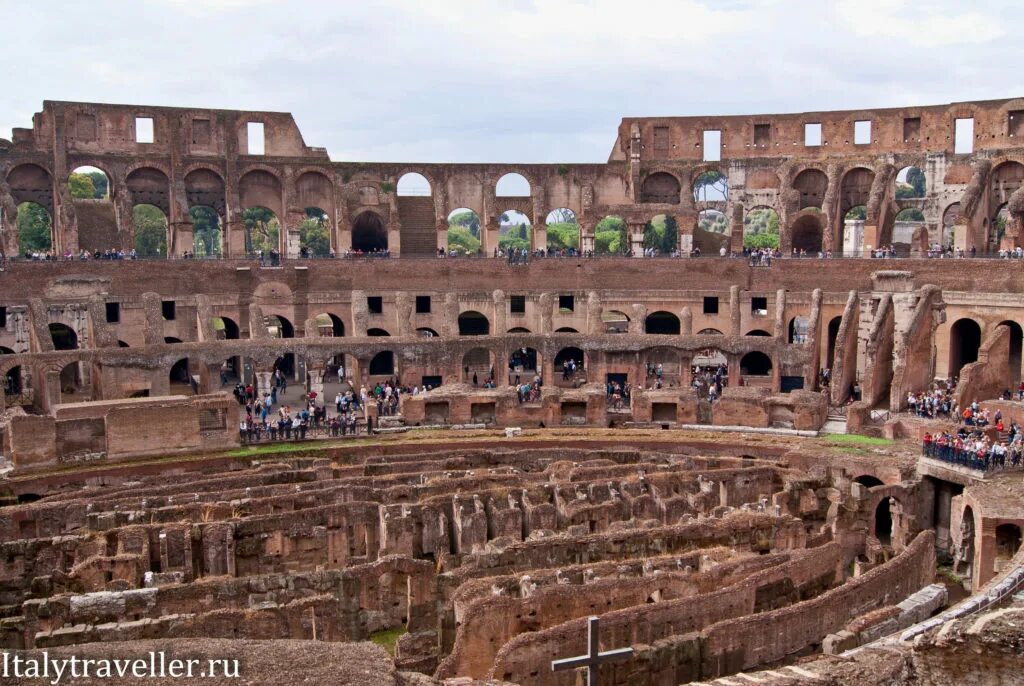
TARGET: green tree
(858,212)
(461,240)
(314,237)
(205,231)
(99,182)
(611,236)
(81,186)
(467,219)
(150,231)
(761,240)
(563,236)
(262,230)
(34,233)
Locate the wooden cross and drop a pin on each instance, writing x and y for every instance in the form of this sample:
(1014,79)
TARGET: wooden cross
(594,657)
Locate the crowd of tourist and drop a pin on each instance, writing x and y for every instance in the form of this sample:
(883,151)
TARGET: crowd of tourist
(710,381)
(937,401)
(976,449)
(618,394)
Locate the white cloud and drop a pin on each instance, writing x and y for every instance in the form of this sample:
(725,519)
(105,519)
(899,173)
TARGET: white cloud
(920,24)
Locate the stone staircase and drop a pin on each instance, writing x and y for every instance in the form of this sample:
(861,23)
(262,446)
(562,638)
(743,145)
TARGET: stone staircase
(835,423)
(419,232)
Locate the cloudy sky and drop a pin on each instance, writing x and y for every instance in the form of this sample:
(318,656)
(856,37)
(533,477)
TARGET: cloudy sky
(482,80)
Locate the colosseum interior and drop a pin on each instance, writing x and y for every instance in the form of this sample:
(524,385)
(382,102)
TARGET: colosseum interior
(723,457)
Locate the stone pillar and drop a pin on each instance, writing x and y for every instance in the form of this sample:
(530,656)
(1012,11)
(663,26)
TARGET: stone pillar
(734,370)
(776,376)
(636,238)
(586,237)
(500,367)
(316,382)
(780,314)
(734,311)
(539,236)
(262,382)
(685,370)
(685,322)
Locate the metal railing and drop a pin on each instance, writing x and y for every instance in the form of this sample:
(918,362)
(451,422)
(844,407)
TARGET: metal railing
(970,459)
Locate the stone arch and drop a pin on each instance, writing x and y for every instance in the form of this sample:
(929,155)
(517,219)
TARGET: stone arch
(98,182)
(473,323)
(662,188)
(662,322)
(463,236)
(31,183)
(525,362)
(478,363)
(1006,178)
(563,356)
(883,523)
(807,233)
(563,231)
(518,329)
(710,332)
(757,332)
(615,321)
(382,364)
(949,217)
(329,325)
(811,184)
(515,230)
(35,229)
(64,337)
(512,185)
(205,187)
(964,342)
(798,328)
(868,480)
(377,332)
(910,182)
(413,184)
(149,186)
(226,328)
(179,376)
(1016,347)
(756,363)
(369,233)
(566,329)
(855,188)
(261,187)
(710,186)
(427,332)
(279,326)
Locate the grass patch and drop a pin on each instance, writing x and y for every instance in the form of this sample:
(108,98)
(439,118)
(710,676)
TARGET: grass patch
(387,638)
(858,440)
(947,575)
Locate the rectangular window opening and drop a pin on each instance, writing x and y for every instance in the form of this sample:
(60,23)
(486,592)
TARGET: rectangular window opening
(201,131)
(3,317)
(862,132)
(912,129)
(762,135)
(710,304)
(566,303)
(517,304)
(812,135)
(759,305)
(963,135)
(422,304)
(255,140)
(375,304)
(1015,123)
(143,130)
(113,313)
(712,146)
(167,309)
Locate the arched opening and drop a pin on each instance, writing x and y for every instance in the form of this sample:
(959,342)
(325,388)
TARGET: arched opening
(382,364)
(811,184)
(473,323)
(949,217)
(74,387)
(171,340)
(1016,341)
(758,332)
(852,238)
(315,234)
(225,328)
(89,183)
(615,321)
(910,183)
(1007,544)
(761,229)
(566,329)
(476,366)
(150,231)
(964,562)
(377,333)
(329,325)
(63,337)
(661,234)
(413,183)
(279,327)
(807,233)
(868,481)
(964,341)
(207,239)
(262,232)
(712,232)
(369,234)
(563,231)
(463,232)
(426,332)
(179,376)
(854,192)
(798,328)
(711,186)
(287,364)
(518,329)
(710,332)
(569,363)
(661,188)
(523,364)
(514,231)
(906,224)
(833,335)
(756,363)
(35,230)
(883,522)
(122,344)
(611,236)
(512,185)
(662,322)
(13,384)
